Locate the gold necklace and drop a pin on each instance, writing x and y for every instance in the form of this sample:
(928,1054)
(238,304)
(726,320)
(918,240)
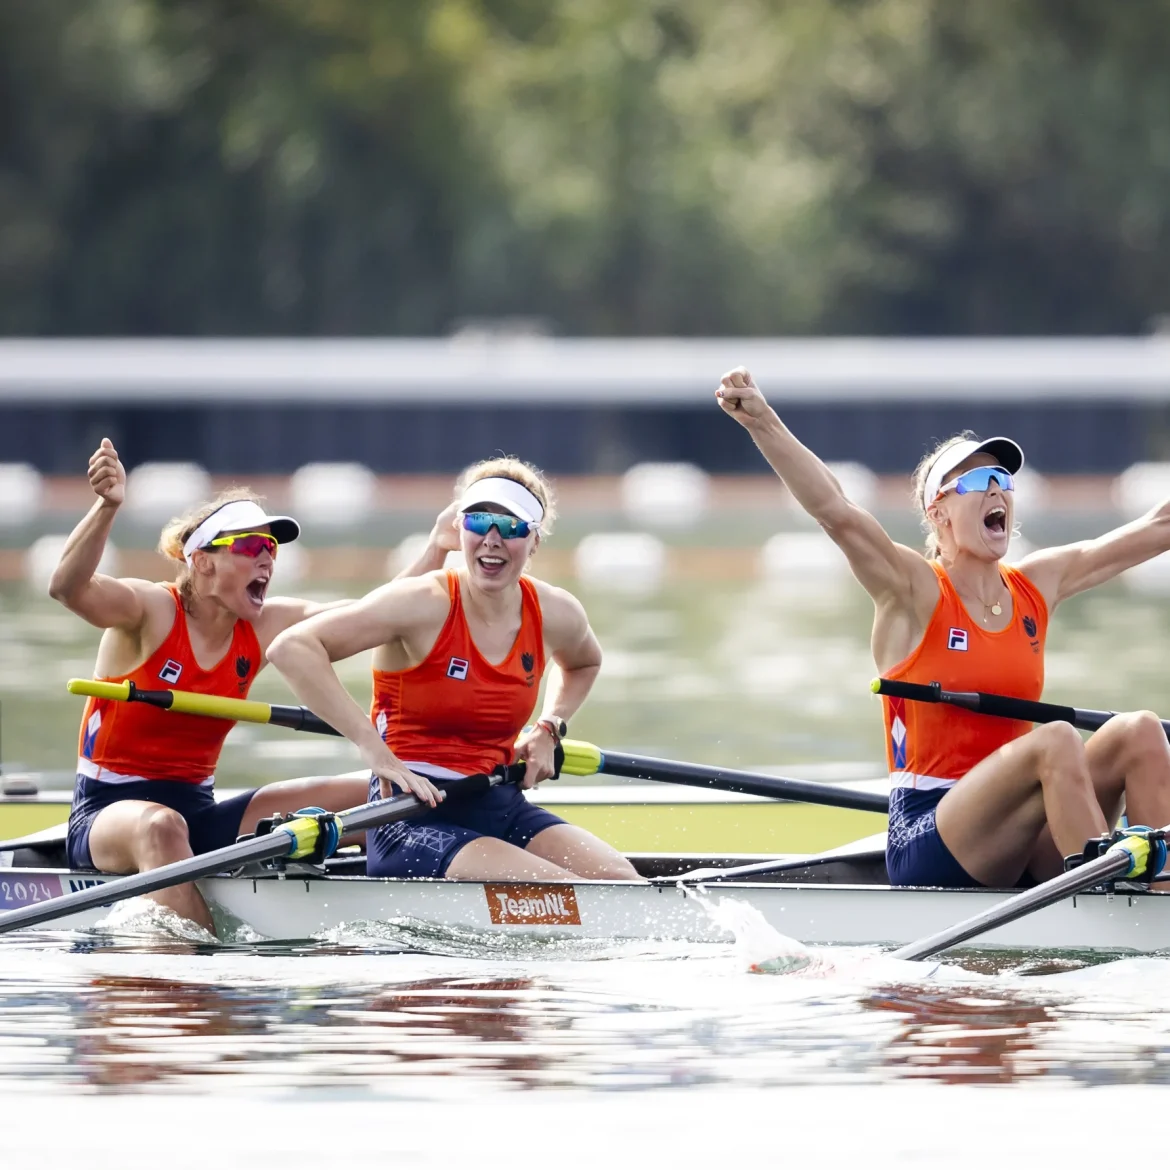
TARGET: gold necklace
(995,607)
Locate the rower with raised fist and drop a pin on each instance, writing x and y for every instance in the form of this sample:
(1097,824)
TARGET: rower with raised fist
(977,801)
(144,794)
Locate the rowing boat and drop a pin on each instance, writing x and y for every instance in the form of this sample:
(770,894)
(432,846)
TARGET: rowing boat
(647,818)
(840,897)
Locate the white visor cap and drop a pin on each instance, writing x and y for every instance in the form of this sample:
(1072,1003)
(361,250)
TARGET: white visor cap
(1007,453)
(504,493)
(240,516)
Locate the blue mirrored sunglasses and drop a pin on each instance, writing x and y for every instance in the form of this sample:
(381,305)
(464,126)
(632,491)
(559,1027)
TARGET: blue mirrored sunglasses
(978,479)
(509,527)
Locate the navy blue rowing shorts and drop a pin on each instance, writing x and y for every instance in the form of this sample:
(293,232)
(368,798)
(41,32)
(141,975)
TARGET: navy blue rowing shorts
(915,853)
(211,824)
(424,846)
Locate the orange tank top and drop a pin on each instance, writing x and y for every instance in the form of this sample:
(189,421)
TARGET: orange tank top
(131,740)
(455,709)
(931,745)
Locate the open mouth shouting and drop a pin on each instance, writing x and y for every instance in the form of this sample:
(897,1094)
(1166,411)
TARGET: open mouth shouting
(257,588)
(995,521)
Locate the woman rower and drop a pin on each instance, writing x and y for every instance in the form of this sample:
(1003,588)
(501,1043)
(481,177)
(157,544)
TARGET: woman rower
(144,794)
(977,800)
(458,657)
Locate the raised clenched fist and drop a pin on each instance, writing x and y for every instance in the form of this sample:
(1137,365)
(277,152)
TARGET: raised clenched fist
(740,397)
(107,476)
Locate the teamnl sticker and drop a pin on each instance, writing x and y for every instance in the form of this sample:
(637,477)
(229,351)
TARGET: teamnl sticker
(522,904)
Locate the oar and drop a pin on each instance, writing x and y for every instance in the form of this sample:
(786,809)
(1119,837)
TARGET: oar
(1002,705)
(584,759)
(292,839)
(190,703)
(581,759)
(1127,858)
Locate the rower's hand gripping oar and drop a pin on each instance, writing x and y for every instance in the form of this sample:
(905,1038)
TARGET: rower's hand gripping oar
(581,758)
(1139,855)
(1002,705)
(312,836)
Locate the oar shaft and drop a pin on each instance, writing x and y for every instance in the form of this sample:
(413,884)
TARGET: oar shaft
(278,843)
(1001,705)
(1101,869)
(212,706)
(733,780)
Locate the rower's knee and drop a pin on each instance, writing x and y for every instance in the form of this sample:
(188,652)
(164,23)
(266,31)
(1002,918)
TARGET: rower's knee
(1145,738)
(617,869)
(1060,756)
(164,838)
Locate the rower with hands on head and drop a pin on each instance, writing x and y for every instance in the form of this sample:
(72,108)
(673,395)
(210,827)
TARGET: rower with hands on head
(977,800)
(458,659)
(144,795)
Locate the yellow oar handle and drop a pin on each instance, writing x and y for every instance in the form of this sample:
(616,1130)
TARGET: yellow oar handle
(581,759)
(99,690)
(186,702)
(245,710)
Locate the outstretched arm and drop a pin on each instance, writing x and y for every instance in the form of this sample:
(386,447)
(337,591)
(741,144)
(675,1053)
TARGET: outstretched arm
(304,653)
(885,569)
(105,602)
(1069,569)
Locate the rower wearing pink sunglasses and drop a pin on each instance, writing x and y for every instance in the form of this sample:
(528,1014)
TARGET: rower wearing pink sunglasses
(977,800)
(145,778)
(458,659)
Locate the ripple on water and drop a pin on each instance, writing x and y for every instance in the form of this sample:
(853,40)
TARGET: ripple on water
(408,1008)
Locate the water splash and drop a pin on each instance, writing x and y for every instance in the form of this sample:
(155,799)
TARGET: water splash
(144,917)
(760,947)
(413,935)
(763,950)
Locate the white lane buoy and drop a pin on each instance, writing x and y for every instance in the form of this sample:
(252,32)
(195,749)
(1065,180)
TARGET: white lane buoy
(158,491)
(44,554)
(1033,492)
(1150,578)
(290,567)
(333,493)
(623,562)
(1141,487)
(22,490)
(806,563)
(666,495)
(857,482)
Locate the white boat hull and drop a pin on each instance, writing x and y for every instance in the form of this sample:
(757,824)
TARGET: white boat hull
(298,907)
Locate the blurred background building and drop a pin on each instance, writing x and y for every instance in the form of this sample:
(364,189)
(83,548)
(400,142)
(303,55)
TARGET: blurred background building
(338,249)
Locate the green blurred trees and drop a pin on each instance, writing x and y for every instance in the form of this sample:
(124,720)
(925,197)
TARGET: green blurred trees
(697,166)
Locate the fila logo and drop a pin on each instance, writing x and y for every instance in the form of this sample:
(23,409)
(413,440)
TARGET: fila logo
(171,671)
(957,639)
(457,668)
